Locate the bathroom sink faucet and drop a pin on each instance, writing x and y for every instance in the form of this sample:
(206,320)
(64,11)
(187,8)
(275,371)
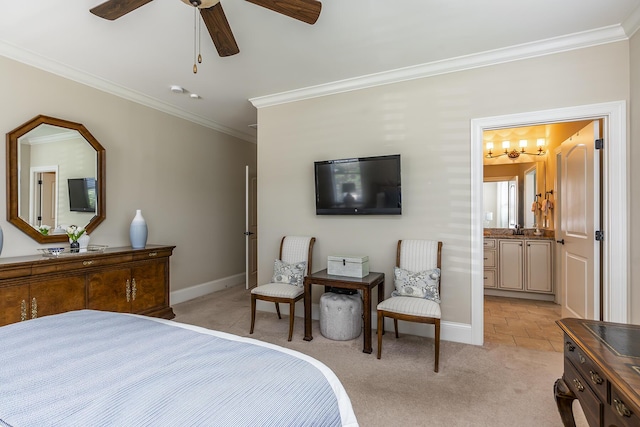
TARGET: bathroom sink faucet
(518,231)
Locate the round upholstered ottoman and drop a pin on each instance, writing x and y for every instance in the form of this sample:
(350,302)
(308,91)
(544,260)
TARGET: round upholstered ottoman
(340,316)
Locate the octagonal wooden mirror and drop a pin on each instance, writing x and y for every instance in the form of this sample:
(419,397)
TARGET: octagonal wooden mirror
(55,178)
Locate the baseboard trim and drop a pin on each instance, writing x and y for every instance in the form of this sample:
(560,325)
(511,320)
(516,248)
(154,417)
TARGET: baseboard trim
(182,295)
(449,331)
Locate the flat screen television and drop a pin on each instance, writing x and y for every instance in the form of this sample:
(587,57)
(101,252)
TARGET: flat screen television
(359,186)
(82,194)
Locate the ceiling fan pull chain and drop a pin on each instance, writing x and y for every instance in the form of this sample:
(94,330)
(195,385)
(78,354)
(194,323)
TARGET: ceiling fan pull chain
(195,41)
(199,37)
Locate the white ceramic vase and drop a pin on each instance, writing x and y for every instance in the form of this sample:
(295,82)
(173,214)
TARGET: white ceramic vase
(84,242)
(138,231)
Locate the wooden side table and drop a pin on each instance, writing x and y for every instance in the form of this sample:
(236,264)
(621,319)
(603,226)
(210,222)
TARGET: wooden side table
(364,284)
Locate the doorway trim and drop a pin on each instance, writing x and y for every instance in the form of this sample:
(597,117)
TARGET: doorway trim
(615,248)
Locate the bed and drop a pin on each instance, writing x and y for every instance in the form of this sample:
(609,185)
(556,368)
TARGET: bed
(95,368)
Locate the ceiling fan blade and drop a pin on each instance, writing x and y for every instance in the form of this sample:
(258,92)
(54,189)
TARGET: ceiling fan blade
(219,30)
(114,9)
(303,10)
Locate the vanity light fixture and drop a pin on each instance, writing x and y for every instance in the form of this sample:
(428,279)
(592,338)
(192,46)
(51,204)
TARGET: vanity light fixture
(514,153)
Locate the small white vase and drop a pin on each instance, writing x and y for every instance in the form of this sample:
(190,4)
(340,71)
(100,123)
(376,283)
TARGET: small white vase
(84,242)
(138,231)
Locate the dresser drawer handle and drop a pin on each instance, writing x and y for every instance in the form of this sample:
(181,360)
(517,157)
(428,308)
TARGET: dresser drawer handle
(90,262)
(570,347)
(582,359)
(621,408)
(595,378)
(578,384)
(153,253)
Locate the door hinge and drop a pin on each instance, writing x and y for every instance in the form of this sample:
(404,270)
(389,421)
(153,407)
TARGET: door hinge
(599,235)
(599,144)
(39,182)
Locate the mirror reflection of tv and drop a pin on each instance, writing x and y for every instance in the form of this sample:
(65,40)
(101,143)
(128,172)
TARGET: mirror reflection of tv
(82,194)
(359,186)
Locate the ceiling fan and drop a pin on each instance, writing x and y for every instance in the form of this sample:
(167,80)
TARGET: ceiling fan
(214,18)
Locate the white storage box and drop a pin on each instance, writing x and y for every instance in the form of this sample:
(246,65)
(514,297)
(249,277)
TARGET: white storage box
(350,266)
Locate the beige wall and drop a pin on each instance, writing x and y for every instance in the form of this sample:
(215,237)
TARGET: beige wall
(427,121)
(187,179)
(634,178)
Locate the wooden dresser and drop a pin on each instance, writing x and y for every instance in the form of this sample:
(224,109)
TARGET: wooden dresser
(118,279)
(602,371)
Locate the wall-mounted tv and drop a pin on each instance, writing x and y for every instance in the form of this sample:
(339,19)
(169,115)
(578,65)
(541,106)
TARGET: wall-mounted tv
(359,186)
(82,194)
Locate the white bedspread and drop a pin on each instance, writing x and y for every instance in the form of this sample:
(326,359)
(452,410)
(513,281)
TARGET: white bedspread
(92,368)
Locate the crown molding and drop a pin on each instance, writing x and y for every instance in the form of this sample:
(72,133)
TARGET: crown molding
(550,46)
(632,23)
(30,58)
(56,137)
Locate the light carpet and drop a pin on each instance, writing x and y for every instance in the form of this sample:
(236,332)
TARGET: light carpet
(489,385)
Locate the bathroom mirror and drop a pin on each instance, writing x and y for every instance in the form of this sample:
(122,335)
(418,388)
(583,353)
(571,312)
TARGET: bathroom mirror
(55,177)
(505,210)
(500,202)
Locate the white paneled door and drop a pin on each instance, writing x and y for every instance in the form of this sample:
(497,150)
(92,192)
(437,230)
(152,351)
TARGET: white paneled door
(580,217)
(251,229)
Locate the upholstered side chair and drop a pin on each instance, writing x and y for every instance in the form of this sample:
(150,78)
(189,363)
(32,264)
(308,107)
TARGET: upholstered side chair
(413,257)
(286,285)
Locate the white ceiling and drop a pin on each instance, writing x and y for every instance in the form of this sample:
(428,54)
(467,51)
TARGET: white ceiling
(355,43)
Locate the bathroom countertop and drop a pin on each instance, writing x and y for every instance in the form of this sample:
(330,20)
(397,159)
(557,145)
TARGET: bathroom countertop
(507,233)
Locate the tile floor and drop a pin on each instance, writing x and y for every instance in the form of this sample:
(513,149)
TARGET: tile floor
(523,323)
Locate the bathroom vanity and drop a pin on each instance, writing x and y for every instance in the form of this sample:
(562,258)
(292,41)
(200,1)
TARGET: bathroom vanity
(519,265)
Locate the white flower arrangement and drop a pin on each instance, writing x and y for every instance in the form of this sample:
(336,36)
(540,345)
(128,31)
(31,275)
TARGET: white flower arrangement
(44,229)
(74,232)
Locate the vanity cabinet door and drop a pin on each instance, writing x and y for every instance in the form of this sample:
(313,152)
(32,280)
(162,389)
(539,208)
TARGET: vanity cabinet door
(110,290)
(56,295)
(538,266)
(14,303)
(149,281)
(510,265)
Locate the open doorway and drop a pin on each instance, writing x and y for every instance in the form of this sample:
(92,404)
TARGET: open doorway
(522,302)
(615,253)
(42,203)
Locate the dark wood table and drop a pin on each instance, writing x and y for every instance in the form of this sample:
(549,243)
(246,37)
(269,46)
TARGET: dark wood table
(602,371)
(364,284)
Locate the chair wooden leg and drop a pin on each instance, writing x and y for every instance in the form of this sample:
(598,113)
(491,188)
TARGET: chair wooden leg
(380,332)
(278,310)
(395,325)
(292,316)
(437,338)
(253,312)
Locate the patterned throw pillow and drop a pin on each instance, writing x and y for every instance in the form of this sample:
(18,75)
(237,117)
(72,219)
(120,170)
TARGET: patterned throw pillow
(421,284)
(292,274)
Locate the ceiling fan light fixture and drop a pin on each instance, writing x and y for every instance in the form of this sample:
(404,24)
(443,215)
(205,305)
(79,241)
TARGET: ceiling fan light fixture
(201,4)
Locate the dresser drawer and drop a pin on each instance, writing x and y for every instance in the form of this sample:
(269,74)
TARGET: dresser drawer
(587,369)
(152,253)
(591,405)
(620,413)
(73,263)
